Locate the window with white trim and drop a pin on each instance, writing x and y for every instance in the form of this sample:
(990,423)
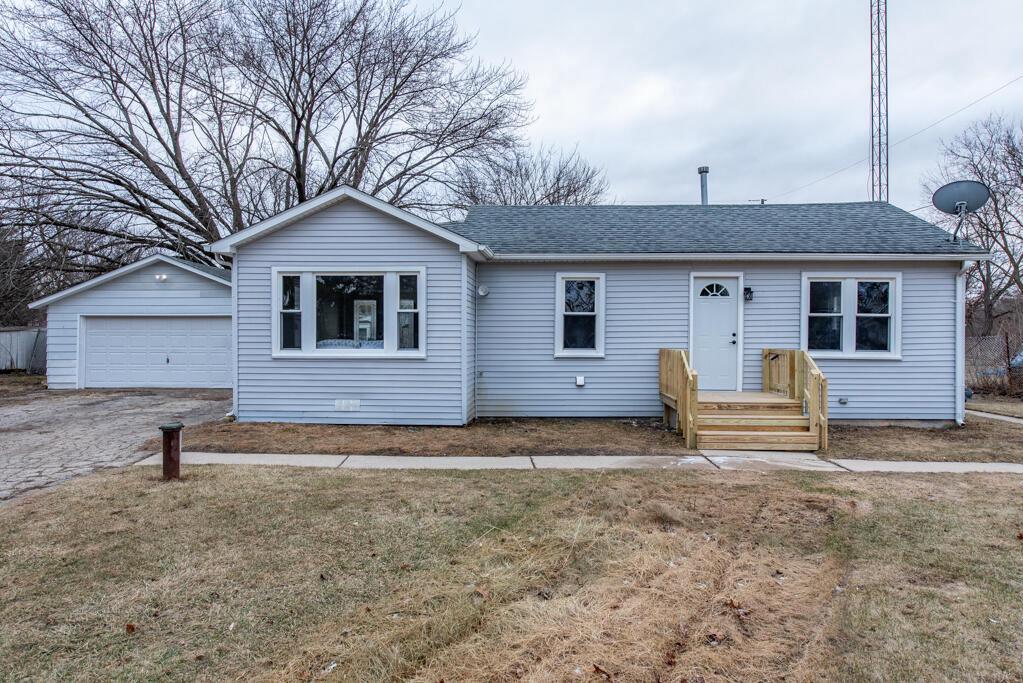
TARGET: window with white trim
(350,313)
(290,312)
(579,321)
(851,315)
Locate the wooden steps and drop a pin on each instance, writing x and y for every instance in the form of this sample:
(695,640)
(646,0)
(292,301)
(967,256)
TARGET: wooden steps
(790,414)
(754,423)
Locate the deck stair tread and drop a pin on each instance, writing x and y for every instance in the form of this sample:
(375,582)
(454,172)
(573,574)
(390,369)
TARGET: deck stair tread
(761,440)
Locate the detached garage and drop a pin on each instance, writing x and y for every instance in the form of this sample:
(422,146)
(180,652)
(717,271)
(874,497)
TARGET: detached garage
(161,322)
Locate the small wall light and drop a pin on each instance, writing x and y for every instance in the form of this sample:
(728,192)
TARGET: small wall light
(161,277)
(747,294)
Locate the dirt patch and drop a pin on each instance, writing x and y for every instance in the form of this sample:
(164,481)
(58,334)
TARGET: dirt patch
(979,440)
(483,437)
(999,405)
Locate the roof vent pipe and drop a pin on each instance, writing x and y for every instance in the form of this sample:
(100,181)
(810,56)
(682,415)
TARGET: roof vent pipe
(703,171)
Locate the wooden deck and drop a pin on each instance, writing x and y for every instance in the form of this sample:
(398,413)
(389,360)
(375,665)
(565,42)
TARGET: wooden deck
(792,415)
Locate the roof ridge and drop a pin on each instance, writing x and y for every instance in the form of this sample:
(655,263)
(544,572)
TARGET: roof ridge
(752,205)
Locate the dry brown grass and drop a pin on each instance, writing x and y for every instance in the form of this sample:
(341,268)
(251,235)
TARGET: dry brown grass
(999,405)
(979,440)
(278,573)
(14,384)
(483,437)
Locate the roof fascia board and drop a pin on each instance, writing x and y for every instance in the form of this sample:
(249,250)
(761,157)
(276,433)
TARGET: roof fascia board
(724,256)
(228,244)
(124,270)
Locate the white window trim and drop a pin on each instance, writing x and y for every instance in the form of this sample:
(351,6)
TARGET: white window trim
(559,318)
(849,315)
(308,307)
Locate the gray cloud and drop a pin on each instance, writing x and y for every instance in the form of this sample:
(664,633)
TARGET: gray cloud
(771,95)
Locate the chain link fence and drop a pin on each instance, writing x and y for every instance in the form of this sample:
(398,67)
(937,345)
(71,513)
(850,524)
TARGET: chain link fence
(994,364)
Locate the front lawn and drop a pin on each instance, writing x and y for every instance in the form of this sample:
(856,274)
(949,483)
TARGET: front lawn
(276,573)
(533,436)
(999,405)
(979,440)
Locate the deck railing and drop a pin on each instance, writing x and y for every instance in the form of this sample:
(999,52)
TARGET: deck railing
(794,374)
(679,392)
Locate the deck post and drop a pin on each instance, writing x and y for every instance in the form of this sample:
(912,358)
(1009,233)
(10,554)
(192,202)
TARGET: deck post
(171,450)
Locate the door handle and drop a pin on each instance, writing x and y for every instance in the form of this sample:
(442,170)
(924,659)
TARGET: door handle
(734,342)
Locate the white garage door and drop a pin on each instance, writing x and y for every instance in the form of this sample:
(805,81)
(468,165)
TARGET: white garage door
(157,352)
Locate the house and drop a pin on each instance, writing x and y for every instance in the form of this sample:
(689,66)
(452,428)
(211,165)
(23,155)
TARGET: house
(159,322)
(349,310)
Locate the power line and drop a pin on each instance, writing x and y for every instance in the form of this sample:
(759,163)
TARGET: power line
(901,140)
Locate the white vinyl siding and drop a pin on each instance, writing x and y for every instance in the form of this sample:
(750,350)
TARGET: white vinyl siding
(408,390)
(647,308)
(137,293)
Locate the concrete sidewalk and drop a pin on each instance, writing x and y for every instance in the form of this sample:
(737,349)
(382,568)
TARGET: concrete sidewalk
(757,461)
(995,416)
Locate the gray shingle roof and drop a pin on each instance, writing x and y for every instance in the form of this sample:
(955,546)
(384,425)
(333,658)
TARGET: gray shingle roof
(219,273)
(850,228)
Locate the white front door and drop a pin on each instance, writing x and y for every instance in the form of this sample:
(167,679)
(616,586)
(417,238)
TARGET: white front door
(715,351)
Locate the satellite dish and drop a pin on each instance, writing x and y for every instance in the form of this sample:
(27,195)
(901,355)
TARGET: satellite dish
(961,195)
(959,198)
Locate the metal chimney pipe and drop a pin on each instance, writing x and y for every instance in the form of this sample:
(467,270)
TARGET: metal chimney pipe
(703,171)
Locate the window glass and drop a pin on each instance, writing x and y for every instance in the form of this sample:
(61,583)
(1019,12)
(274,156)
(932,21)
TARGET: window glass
(873,333)
(714,289)
(291,330)
(580,296)
(290,294)
(408,311)
(826,297)
(872,297)
(824,333)
(580,332)
(349,311)
(408,292)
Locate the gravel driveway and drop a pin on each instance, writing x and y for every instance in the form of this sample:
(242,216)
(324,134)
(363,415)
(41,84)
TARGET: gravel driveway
(49,436)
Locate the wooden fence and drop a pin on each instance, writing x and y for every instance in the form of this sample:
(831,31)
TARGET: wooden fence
(23,348)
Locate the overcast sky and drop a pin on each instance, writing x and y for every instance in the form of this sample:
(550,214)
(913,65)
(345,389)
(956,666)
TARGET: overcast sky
(770,94)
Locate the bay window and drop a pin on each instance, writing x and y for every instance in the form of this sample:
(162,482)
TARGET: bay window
(350,313)
(579,315)
(851,315)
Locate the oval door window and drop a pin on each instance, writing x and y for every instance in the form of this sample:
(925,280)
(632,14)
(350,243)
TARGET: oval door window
(714,289)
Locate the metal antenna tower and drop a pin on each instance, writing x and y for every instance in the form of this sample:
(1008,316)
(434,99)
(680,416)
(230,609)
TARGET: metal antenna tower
(879,100)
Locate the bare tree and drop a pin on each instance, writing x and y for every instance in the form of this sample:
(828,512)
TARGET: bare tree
(990,151)
(525,177)
(165,124)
